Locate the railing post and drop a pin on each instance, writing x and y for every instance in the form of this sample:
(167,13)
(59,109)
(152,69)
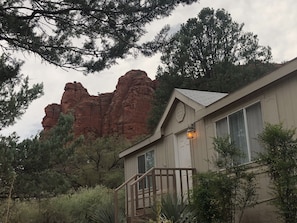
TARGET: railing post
(132,203)
(181,185)
(161,181)
(127,199)
(116,213)
(188,184)
(154,186)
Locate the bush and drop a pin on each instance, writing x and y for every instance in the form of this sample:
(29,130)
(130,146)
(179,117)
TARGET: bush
(280,156)
(170,209)
(82,207)
(222,196)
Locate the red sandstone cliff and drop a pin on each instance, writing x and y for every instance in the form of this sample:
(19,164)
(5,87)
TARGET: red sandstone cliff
(124,111)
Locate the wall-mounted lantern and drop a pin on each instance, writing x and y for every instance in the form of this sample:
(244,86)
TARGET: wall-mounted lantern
(191,132)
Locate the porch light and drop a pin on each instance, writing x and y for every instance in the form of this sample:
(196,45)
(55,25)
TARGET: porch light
(191,132)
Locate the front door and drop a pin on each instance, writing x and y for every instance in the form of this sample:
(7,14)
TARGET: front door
(183,151)
(183,159)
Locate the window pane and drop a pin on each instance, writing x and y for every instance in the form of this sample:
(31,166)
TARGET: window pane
(145,162)
(141,164)
(149,163)
(255,127)
(222,128)
(150,160)
(141,170)
(238,134)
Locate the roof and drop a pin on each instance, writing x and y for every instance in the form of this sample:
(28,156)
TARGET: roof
(204,98)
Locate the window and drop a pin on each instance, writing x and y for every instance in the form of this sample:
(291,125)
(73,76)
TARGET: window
(146,162)
(243,128)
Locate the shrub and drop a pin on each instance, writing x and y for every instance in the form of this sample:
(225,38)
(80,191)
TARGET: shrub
(280,156)
(223,195)
(81,207)
(170,209)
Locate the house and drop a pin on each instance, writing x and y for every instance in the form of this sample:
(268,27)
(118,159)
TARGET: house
(167,159)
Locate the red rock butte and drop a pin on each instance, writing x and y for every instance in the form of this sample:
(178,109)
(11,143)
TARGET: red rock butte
(124,111)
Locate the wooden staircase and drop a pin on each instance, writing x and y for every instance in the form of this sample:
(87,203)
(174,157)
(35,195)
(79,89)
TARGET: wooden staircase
(142,191)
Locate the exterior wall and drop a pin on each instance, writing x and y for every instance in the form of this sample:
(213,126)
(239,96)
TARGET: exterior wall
(201,155)
(278,105)
(175,123)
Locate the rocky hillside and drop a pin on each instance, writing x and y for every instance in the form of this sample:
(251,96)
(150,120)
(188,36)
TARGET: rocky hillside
(124,111)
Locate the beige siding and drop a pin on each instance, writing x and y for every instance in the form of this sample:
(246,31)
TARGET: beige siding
(163,151)
(173,126)
(278,105)
(199,148)
(287,102)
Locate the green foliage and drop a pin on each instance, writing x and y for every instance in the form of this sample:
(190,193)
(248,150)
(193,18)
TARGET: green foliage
(229,154)
(54,162)
(172,210)
(84,34)
(7,156)
(41,163)
(97,161)
(15,97)
(280,156)
(211,38)
(210,53)
(222,196)
(105,213)
(83,206)
(212,198)
(15,93)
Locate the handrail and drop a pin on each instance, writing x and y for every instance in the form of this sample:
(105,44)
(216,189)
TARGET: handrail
(139,179)
(143,176)
(116,205)
(157,168)
(127,181)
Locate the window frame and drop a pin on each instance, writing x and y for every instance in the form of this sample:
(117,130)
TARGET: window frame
(250,157)
(146,168)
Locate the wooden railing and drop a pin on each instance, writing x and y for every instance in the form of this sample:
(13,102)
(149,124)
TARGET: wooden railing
(142,191)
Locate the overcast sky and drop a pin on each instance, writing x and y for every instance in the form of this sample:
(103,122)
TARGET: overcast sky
(274,21)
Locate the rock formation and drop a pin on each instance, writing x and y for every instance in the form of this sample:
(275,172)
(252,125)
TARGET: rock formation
(124,111)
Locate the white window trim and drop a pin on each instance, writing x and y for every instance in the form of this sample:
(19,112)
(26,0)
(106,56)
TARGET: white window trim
(144,154)
(245,125)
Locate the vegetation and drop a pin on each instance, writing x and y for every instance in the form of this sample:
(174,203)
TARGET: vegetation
(280,156)
(222,196)
(211,53)
(97,161)
(172,210)
(15,97)
(85,205)
(55,162)
(38,166)
(15,92)
(85,35)
(36,172)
